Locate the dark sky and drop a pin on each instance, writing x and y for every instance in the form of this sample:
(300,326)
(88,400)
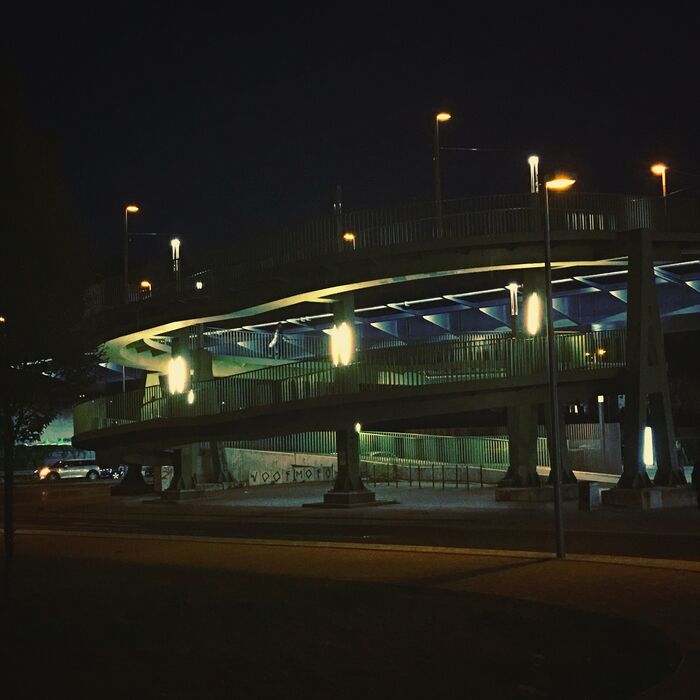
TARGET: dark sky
(221,123)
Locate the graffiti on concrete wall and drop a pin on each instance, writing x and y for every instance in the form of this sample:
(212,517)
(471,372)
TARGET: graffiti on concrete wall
(289,475)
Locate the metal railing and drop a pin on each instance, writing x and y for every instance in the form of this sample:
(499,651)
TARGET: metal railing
(373,371)
(409,224)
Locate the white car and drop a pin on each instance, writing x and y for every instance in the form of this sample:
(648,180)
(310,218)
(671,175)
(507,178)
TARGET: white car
(69,469)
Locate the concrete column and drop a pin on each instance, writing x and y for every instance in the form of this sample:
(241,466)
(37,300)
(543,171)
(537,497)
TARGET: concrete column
(185,476)
(522,419)
(647,398)
(522,447)
(348,488)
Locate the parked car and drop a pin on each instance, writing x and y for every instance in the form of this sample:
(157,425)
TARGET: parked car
(69,469)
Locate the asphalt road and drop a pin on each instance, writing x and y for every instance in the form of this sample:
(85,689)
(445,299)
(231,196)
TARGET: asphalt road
(430,517)
(248,592)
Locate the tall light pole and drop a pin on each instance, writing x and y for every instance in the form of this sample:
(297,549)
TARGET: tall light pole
(128,209)
(659,169)
(439,118)
(557,184)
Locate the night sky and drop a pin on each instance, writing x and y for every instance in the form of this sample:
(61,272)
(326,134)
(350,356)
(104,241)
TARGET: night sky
(221,123)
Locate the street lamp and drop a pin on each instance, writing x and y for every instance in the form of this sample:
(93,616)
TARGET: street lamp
(659,169)
(556,184)
(129,209)
(146,289)
(349,237)
(534,163)
(175,246)
(439,118)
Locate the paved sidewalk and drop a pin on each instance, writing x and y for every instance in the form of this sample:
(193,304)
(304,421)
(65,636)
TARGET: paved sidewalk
(660,593)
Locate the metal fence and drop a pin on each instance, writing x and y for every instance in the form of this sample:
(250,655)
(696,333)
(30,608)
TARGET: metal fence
(409,224)
(373,371)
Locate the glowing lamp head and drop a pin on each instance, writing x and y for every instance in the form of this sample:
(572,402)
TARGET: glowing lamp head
(342,344)
(178,374)
(349,236)
(533,314)
(132,208)
(533,161)
(560,183)
(659,169)
(199,285)
(443,117)
(175,245)
(145,284)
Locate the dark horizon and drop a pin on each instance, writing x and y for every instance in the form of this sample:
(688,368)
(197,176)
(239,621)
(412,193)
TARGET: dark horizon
(221,125)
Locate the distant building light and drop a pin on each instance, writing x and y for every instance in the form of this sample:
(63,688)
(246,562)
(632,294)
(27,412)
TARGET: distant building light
(199,284)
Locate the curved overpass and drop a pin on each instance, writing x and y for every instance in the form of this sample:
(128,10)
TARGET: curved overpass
(395,246)
(408,382)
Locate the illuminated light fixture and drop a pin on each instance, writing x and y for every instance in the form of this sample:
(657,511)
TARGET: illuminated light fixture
(443,117)
(45,471)
(534,163)
(560,183)
(178,374)
(175,245)
(648,447)
(349,237)
(600,352)
(513,289)
(199,284)
(342,342)
(132,208)
(533,314)
(358,428)
(145,284)
(3,319)
(190,396)
(601,398)
(659,169)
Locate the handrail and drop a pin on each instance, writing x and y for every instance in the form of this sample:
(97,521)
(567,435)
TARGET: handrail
(403,225)
(416,365)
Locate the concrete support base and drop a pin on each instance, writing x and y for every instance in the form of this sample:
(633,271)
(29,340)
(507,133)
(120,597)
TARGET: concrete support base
(650,498)
(349,499)
(536,494)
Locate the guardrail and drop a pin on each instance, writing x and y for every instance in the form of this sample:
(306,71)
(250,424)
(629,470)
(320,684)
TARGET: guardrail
(387,227)
(416,365)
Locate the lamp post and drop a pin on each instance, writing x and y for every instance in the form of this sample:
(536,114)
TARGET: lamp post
(349,237)
(175,247)
(439,118)
(557,184)
(534,162)
(129,209)
(659,169)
